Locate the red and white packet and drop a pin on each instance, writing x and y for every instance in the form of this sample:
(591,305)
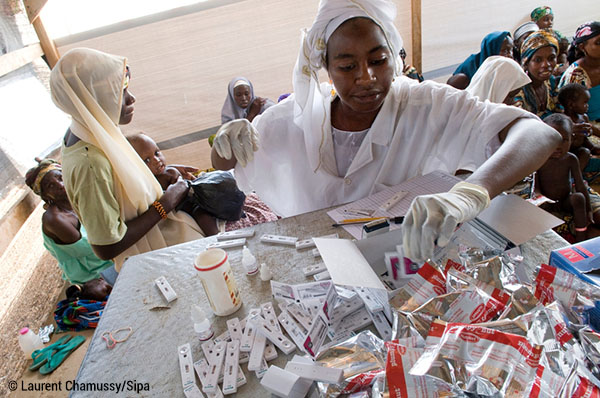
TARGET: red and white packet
(469,353)
(401,384)
(429,282)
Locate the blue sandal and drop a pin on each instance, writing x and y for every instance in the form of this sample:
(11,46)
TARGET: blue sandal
(42,355)
(61,354)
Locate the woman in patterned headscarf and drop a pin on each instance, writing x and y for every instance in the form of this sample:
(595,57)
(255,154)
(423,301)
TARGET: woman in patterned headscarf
(538,59)
(64,237)
(584,55)
(543,17)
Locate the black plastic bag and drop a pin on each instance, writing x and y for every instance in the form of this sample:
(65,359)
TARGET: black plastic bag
(217,194)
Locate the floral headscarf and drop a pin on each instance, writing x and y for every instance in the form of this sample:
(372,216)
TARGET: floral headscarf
(540,13)
(537,40)
(586,31)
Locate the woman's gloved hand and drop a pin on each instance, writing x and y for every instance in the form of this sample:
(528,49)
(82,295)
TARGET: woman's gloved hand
(238,138)
(432,219)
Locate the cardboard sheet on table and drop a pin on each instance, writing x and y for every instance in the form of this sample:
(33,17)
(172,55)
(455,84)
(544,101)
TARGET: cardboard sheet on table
(516,219)
(346,264)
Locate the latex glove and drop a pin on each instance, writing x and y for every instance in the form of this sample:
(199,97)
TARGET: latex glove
(238,138)
(432,219)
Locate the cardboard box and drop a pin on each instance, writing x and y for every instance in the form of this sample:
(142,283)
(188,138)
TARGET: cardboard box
(579,259)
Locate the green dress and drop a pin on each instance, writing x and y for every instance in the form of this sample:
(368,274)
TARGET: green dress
(77,260)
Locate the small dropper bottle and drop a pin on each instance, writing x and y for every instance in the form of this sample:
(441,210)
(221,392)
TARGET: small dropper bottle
(202,325)
(249,261)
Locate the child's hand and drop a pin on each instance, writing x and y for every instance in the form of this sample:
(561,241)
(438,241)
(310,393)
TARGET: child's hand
(582,128)
(187,172)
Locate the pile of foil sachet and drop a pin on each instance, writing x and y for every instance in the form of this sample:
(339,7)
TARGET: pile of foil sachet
(474,329)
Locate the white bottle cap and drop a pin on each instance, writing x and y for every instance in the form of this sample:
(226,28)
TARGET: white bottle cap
(265,273)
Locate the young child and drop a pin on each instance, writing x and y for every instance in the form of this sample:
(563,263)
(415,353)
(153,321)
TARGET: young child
(554,180)
(574,99)
(166,175)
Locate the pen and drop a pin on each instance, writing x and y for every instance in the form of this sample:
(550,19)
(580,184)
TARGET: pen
(395,220)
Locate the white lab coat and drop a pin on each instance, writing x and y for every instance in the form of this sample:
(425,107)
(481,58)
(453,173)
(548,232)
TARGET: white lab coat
(420,128)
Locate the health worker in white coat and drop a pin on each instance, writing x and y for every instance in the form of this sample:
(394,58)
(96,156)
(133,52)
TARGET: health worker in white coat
(374,128)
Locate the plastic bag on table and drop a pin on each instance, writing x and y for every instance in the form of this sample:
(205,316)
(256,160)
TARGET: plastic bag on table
(217,193)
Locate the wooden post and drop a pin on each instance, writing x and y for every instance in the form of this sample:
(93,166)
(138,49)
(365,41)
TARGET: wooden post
(33,8)
(417,55)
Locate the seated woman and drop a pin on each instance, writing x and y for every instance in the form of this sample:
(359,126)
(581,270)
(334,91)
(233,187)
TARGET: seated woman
(64,236)
(539,54)
(117,199)
(584,56)
(409,70)
(495,43)
(241,102)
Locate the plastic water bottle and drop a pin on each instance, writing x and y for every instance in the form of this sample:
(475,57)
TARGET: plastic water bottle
(202,325)
(29,341)
(249,261)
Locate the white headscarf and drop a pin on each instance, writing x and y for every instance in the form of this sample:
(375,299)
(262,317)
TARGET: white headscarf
(88,85)
(231,110)
(310,111)
(496,77)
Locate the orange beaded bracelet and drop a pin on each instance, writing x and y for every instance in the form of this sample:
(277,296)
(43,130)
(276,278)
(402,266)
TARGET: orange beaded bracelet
(160,209)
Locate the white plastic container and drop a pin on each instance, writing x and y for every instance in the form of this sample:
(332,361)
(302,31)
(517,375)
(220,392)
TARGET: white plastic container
(29,341)
(218,281)
(249,261)
(202,325)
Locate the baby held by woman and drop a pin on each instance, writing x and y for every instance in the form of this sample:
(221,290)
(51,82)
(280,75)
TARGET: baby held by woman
(166,175)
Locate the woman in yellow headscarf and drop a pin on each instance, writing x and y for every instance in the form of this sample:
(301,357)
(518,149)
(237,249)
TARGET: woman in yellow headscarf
(114,194)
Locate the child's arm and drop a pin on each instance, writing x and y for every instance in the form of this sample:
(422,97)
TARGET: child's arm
(579,185)
(187,172)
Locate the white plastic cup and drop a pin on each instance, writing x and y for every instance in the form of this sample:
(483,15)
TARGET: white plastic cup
(29,341)
(218,281)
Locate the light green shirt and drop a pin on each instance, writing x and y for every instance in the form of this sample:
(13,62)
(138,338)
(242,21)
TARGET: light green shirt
(88,179)
(77,261)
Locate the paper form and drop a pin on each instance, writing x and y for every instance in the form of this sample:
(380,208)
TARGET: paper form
(435,182)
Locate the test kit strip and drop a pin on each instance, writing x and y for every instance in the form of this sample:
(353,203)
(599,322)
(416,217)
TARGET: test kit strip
(381,324)
(258,347)
(276,337)
(322,276)
(201,368)
(226,244)
(316,372)
(166,289)
(215,365)
(301,315)
(294,330)
(235,332)
(315,252)
(186,365)
(240,233)
(270,316)
(279,239)
(231,367)
(306,243)
(314,269)
(248,337)
(369,299)
(393,201)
